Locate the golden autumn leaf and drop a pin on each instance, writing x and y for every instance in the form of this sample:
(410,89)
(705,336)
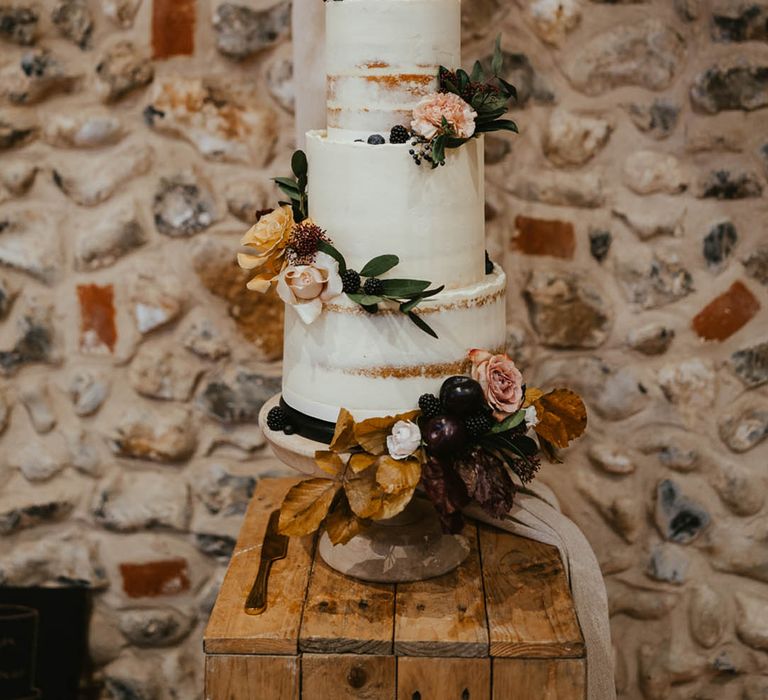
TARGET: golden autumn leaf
(344,434)
(360,461)
(342,524)
(395,476)
(305,506)
(371,434)
(532,395)
(329,462)
(562,417)
(395,504)
(365,496)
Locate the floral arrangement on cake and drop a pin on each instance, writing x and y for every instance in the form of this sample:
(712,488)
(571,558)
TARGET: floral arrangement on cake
(480,441)
(286,248)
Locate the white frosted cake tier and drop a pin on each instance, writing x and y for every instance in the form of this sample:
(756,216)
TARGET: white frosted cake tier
(374,200)
(382,56)
(379,364)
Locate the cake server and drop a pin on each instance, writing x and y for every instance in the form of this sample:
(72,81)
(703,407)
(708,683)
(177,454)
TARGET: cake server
(273,548)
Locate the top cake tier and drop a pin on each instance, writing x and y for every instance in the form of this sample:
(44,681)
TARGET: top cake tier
(382,57)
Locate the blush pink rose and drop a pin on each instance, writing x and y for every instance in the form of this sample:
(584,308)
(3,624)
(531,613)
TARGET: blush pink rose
(429,112)
(501,381)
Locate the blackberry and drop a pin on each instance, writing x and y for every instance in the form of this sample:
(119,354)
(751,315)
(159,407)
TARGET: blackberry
(488,264)
(479,424)
(376,139)
(351,281)
(429,405)
(373,286)
(276,419)
(399,134)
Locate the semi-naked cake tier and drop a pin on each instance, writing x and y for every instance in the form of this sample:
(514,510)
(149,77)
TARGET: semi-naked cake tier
(379,364)
(374,200)
(382,56)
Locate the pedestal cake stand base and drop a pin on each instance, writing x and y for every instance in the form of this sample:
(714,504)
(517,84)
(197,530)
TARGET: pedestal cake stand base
(408,547)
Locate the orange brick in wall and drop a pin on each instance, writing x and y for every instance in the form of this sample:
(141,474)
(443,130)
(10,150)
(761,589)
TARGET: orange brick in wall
(173,28)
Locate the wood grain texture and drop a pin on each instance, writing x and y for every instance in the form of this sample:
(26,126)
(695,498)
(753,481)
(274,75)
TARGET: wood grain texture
(346,616)
(347,677)
(444,679)
(276,631)
(444,616)
(248,677)
(528,602)
(539,679)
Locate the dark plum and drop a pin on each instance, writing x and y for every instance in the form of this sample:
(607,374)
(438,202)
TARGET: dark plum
(445,435)
(462,396)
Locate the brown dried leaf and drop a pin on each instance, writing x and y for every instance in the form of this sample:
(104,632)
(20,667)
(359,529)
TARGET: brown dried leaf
(371,434)
(394,476)
(364,494)
(360,461)
(305,506)
(368,500)
(329,462)
(344,434)
(532,395)
(562,417)
(342,524)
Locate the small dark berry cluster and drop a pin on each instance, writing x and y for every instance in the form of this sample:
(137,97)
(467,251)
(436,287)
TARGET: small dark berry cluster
(421,151)
(429,405)
(399,134)
(302,246)
(373,286)
(277,420)
(350,280)
(479,424)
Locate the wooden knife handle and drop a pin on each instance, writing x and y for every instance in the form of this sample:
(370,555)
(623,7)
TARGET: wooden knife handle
(256,602)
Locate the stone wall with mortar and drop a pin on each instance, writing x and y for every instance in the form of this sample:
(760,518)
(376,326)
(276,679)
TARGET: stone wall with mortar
(137,138)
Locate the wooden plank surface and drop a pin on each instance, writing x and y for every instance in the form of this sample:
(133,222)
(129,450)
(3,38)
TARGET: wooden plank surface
(423,678)
(444,616)
(276,631)
(528,602)
(347,677)
(345,616)
(248,677)
(539,679)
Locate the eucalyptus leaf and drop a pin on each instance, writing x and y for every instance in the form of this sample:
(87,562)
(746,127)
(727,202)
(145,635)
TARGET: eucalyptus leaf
(426,293)
(365,299)
(287,183)
(379,265)
(299,164)
(329,249)
(498,125)
(403,287)
(497,63)
(509,422)
(477,72)
(510,89)
(422,324)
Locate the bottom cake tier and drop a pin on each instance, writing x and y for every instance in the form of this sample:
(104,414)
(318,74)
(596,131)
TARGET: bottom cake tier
(379,364)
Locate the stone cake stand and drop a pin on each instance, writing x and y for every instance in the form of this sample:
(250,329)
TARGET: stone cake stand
(409,547)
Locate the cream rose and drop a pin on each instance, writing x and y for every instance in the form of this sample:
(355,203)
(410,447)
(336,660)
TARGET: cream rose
(268,237)
(306,287)
(429,112)
(501,381)
(404,439)
(531,417)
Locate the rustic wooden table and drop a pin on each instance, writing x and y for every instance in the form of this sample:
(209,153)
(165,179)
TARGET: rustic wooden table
(502,626)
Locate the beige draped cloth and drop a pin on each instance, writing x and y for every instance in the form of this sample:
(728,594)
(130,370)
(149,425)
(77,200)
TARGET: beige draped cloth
(536,516)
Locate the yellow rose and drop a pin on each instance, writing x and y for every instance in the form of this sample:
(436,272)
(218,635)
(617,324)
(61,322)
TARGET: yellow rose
(268,237)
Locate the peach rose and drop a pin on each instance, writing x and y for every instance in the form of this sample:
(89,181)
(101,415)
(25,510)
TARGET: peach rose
(501,381)
(268,237)
(429,112)
(306,287)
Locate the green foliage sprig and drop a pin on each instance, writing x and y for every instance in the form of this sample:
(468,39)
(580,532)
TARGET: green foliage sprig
(406,293)
(489,96)
(296,187)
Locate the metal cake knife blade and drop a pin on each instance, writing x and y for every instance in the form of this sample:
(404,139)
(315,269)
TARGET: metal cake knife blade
(273,548)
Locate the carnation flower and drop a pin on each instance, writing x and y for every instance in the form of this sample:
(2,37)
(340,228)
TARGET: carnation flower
(268,237)
(404,439)
(429,113)
(306,287)
(501,381)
